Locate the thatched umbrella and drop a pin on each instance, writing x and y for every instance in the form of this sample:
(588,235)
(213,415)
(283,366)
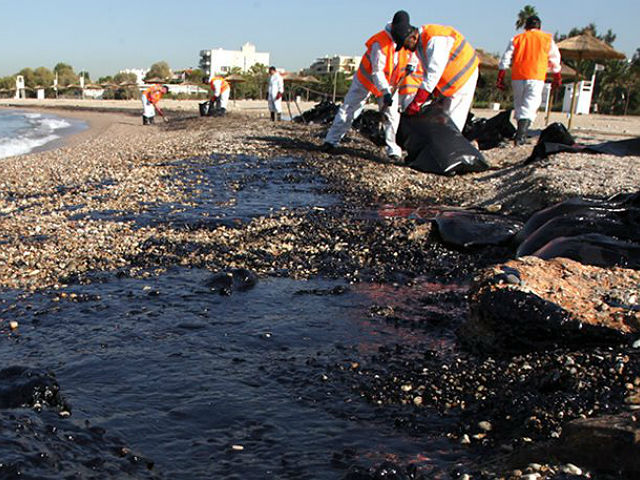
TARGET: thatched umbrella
(585,47)
(154,80)
(109,85)
(487,61)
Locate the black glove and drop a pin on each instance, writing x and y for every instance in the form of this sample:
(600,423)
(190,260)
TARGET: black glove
(387,100)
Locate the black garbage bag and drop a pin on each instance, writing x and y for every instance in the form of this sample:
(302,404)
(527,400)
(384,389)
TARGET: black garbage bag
(593,249)
(619,223)
(470,229)
(322,113)
(435,145)
(489,132)
(556,139)
(368,123)
(204,108)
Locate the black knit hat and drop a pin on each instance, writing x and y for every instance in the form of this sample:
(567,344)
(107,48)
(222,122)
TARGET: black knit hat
(400,28)
(532,22)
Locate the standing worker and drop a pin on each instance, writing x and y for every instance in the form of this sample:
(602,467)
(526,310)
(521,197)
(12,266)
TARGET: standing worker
(221,90)
(532,53)
(450,66)
(381,68)
(150,98)
(276,91)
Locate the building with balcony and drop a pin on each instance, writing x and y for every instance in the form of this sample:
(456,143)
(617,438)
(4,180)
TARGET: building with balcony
(328,65)
(140,73)
(220,62)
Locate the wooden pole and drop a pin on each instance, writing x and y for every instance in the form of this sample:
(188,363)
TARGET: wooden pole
(574,93)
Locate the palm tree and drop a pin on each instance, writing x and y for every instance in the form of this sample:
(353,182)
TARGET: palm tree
(526,12)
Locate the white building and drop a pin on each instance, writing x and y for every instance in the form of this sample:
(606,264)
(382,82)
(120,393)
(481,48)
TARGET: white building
(140,73)
(218,61)
(327,65)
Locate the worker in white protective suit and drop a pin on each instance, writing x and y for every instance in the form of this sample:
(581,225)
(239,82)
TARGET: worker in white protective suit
(382,66)
(529,54)
(275,93)
(450,67)
(220,91)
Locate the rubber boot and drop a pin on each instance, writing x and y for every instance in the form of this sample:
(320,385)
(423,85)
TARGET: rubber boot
(278,117)
(152,120)
(223,112)
(145,120)
(521,133)
(273,116)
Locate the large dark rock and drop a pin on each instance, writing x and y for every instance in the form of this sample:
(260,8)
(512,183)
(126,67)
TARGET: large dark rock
(228,281)
(610,443)
(531,303)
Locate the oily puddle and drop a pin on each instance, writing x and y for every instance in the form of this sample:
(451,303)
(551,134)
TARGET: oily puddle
(208,385)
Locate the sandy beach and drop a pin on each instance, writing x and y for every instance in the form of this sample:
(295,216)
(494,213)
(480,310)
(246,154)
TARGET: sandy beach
(105,204)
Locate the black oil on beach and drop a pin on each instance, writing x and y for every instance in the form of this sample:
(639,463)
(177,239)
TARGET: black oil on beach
(302,366)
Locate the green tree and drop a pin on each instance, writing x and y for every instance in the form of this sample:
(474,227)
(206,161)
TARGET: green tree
(526,12)
(66,75)
(105,79)
(29,77)
(119,78)
(43,76)
(194,75)
(159,70)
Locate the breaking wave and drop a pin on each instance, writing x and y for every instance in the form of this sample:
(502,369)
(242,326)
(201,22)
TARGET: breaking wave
(21,132)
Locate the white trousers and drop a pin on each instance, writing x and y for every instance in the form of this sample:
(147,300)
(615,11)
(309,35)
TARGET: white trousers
(275,105)
(353,105)
(148,110)
(457,106)
(527,97)
(222,100)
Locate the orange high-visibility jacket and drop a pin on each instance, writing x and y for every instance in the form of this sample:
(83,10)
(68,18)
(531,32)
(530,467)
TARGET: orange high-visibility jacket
(410,84)
(531,55)
(154,93)
(391,71)
(463,60)
(223,87)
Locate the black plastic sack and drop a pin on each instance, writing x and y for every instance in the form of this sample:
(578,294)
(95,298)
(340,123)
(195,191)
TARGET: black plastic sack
(593,249)
(204,108)
(470,229)
(368,123)
(556,139)
(491,132)
(323,113)
(435,145)
(623,224)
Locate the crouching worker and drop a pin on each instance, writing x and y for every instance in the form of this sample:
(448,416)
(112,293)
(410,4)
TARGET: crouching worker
(220,91)
(380,69)
(150,99)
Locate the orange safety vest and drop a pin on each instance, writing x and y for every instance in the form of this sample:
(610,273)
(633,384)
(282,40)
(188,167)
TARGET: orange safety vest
(154,93)
(391,71)
(530,55)
(410,84)
(463,60)
(223,88)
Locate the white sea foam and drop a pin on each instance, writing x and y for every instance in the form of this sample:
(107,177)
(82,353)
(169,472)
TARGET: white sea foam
(37,131)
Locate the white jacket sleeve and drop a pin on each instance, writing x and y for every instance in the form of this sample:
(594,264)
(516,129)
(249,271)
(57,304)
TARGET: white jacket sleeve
(217,86)
(554,58)
(280,84)
(378,62)
(437,58)
(507,56)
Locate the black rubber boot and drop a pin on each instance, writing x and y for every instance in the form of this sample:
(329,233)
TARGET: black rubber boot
(151,120)
(521,133)
(273,116)
(145,120)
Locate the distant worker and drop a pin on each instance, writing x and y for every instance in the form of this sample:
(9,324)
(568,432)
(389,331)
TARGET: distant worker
(150,98)
(450,66)
(276,91)
(532,53)
(220,91)
(381,67)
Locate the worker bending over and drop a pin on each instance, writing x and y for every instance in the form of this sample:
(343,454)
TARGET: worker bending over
(220,91)
(381,67)
(275,93)
(450,66)
(150,98)
(531,53)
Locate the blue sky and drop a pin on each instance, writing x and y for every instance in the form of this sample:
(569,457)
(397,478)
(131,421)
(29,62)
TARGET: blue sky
(104,37)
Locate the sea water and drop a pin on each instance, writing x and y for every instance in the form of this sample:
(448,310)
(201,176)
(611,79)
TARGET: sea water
(23,132)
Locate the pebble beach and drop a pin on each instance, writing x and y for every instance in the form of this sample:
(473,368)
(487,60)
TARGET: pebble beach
(99,204)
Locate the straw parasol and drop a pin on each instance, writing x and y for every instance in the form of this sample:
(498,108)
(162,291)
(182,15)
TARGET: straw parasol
(310,79)
(585,47)
(487,61)
(154,80)
(235,78)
